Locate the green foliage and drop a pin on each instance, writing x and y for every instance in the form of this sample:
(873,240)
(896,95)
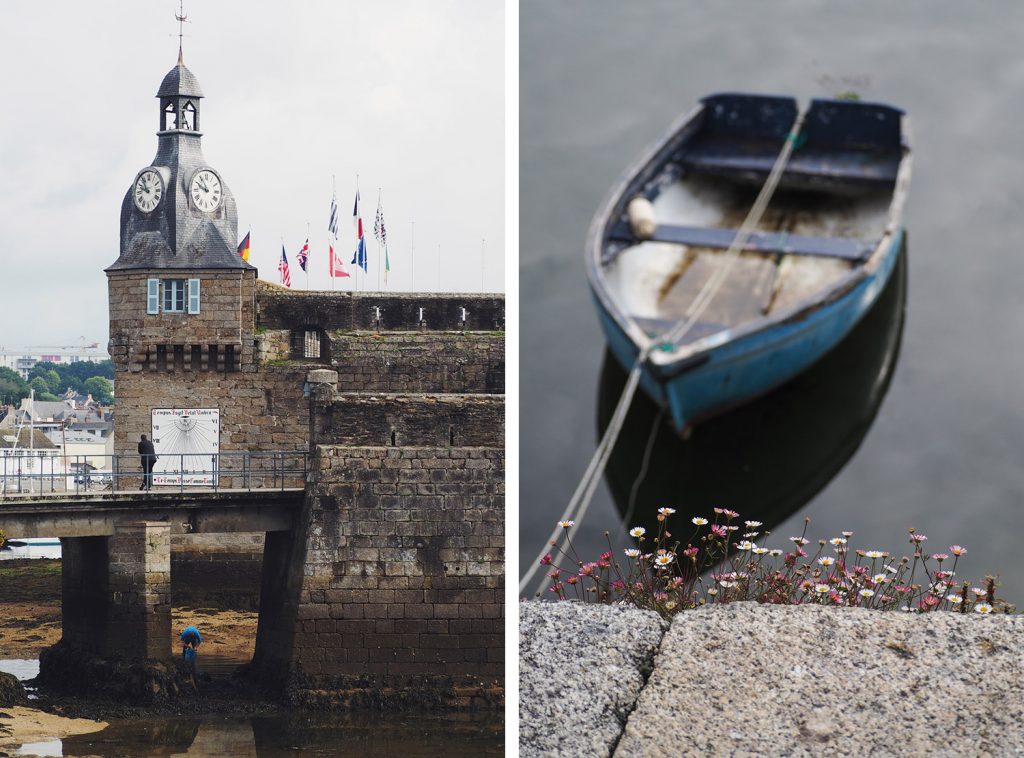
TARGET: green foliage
(58,378)
(3,538)
(12,387)
(101,389)
(40,386)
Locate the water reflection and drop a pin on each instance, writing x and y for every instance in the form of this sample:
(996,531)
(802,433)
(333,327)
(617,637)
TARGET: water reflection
(314,734)
(771,456)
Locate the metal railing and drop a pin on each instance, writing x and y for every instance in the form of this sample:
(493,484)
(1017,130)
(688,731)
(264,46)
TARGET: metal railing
(48,472)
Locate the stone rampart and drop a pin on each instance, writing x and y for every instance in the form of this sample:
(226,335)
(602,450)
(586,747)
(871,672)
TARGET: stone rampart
(280,308)
(412,420)
(391,592)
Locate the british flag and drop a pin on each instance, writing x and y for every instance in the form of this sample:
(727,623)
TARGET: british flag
(303,255)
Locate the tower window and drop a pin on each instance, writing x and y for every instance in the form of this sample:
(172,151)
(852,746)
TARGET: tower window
(174,295)
(169,117)
(188,116)
(311,345)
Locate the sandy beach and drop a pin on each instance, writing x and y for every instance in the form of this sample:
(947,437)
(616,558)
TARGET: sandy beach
(30,615)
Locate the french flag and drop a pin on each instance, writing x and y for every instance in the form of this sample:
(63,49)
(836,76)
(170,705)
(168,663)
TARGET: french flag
(359,259)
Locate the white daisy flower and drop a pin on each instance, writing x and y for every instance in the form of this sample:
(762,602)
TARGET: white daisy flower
(699,521)
(637,531)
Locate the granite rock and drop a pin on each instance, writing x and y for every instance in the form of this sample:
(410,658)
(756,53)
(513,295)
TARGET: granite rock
(581,667)
(749,679)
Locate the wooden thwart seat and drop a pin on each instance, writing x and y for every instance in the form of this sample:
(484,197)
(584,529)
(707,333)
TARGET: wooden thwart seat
(762,242)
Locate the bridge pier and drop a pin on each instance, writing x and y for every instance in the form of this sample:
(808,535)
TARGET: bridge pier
(117,591)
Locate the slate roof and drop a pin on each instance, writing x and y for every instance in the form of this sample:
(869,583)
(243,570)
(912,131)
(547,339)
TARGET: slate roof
(180,81)
(38,439)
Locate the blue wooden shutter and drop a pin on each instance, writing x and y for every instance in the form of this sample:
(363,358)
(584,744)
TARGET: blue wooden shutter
(152,296)
(193,296)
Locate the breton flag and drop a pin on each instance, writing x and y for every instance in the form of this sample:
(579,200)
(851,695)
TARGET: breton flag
(381,233)
(282,266)
(334,262)
(303,255)
(243,248)
(359,259)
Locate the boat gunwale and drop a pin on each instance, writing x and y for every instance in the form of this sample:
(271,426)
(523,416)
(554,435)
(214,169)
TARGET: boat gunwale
(644,171)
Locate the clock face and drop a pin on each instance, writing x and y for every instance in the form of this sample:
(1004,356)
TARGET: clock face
(205,190)
(149,188)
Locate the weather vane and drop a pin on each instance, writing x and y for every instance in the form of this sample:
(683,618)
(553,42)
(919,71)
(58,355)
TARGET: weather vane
(182,18)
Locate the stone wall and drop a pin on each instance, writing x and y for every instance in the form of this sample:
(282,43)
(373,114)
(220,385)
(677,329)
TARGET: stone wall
(280,308)
(391,590)
(260,411)
(463,362)
(404,420)
(220,336)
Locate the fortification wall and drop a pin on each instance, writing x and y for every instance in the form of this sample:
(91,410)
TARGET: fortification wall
(412,420)
(391,590)
(458,362)
(280,308)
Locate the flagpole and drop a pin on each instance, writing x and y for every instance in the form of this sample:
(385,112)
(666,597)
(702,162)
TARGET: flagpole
(483,260)
(412,258)
(359,212)
(306,267)
(330,246)
(378,241)
(438,268)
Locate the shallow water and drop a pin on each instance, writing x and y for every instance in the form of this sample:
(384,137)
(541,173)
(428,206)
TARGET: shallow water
(601,80)
(30,551)
(285,733)
(292,733)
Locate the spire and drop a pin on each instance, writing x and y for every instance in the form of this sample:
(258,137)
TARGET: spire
(181,18)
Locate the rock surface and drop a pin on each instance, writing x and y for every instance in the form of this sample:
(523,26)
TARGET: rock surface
(748,679)
(581,667)
(11,690)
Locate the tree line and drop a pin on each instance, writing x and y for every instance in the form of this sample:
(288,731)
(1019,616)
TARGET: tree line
(51,380)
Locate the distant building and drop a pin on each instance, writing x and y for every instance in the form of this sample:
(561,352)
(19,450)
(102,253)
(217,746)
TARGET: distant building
(23,360)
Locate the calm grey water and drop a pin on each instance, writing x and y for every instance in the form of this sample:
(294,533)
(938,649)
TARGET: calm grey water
(287,733)
(600,80)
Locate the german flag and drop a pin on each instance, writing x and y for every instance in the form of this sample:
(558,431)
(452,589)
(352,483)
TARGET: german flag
(243,248)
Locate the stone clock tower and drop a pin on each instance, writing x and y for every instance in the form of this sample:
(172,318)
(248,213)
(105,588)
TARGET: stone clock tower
(181,299)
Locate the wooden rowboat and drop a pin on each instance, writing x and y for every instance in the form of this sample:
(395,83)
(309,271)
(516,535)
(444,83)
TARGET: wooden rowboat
(801,280)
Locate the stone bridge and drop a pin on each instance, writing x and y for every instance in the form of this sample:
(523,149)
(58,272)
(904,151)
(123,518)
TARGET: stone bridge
(116,554)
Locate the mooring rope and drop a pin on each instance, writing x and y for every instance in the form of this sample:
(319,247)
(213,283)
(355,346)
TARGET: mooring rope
(580,500)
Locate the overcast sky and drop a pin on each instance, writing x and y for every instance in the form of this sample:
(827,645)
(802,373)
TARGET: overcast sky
(407,94)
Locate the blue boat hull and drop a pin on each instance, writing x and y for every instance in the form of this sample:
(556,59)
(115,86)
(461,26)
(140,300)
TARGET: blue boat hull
(755,363)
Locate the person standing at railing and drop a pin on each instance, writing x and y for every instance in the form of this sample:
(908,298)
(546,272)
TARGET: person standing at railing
(147,454)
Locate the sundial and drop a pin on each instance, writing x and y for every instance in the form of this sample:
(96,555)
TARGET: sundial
(187,441)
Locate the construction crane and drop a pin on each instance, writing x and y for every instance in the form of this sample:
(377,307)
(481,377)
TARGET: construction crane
(83,345)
